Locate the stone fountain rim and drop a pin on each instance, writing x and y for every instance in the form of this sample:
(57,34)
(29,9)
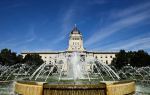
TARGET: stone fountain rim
(101,82)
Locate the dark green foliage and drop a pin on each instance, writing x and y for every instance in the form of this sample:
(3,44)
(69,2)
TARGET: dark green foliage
(134,58)
(7,57)
(33,59)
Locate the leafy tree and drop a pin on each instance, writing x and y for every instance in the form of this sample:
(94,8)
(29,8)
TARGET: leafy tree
(134,58)
(120,60)
(140,58)
(8,58)
(33,59)
(19,58)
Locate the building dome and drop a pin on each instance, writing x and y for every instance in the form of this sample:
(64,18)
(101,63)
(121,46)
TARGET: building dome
(75,30)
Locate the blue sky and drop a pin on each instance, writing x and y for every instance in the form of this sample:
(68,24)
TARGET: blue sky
(44,25)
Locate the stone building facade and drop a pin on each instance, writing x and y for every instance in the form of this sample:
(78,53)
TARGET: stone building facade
(75,45)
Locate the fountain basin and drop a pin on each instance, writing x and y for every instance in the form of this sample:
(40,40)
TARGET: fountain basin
(102,88)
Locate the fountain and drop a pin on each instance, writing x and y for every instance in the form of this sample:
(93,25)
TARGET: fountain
(140,75)
(75,70)
(70,75)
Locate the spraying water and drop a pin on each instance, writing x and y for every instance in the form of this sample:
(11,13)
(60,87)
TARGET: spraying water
(75,67)
(71,67)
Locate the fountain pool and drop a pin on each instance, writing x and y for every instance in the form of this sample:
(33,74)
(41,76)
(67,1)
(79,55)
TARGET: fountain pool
(71,75)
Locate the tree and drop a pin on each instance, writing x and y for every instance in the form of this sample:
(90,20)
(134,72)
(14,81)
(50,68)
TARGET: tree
(33,59)
(7,57)
(19,59)
(140,58)
(134,58)
(120,60)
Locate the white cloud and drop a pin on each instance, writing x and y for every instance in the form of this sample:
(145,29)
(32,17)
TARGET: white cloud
(16,42)
(139,43)
(67,21)
(135,43)
(131,10)
(117,26)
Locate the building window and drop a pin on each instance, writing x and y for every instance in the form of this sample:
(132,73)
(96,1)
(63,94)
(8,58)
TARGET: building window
(105,56)
(106,62)
(45,57)
(101,57)
(96,57)
(110,56)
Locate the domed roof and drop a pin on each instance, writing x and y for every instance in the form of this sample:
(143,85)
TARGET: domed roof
(75,30)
